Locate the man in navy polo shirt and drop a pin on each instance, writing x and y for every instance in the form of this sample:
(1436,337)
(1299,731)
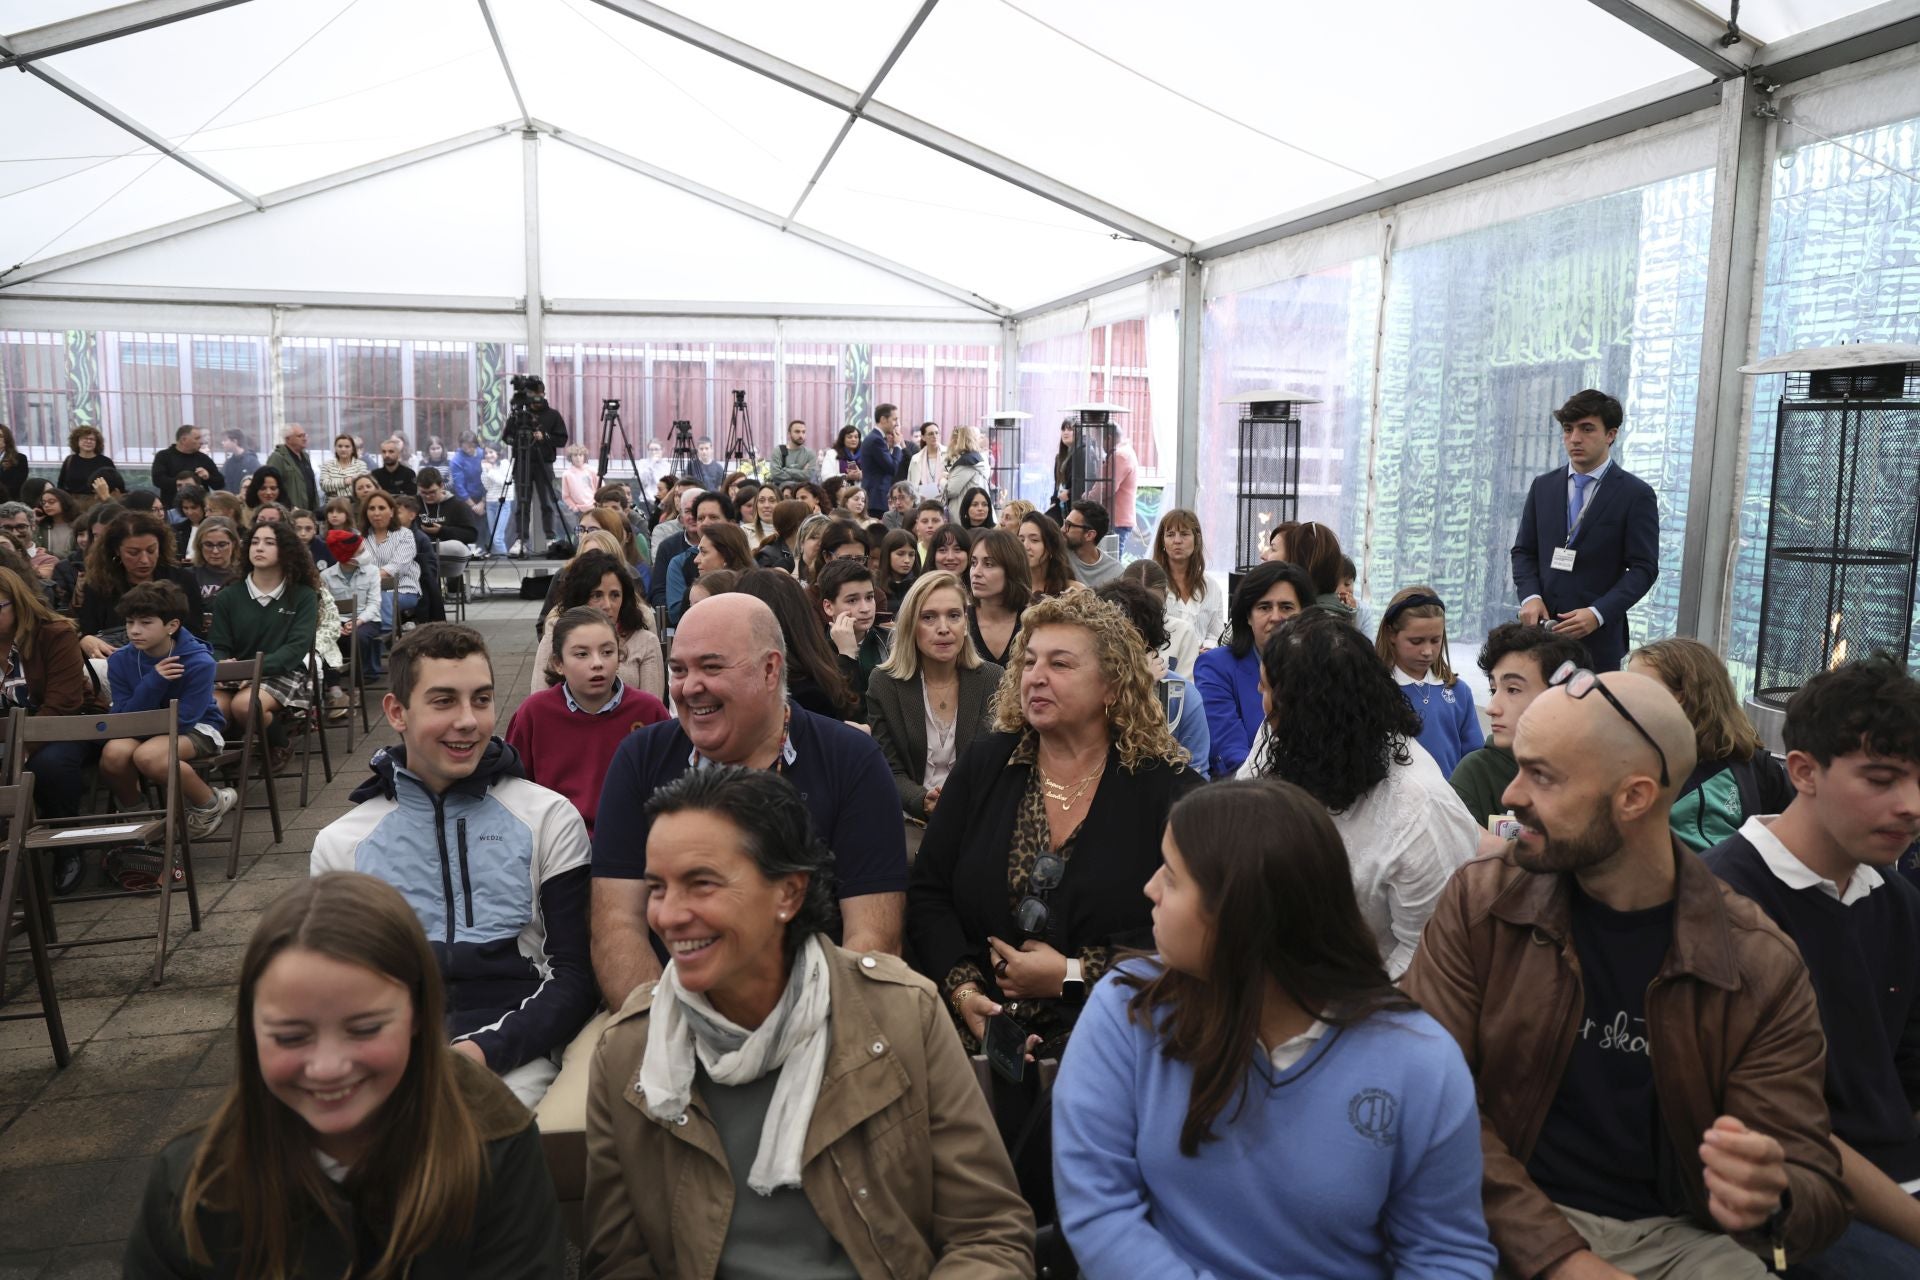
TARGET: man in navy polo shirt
(728,681)
(1823,870)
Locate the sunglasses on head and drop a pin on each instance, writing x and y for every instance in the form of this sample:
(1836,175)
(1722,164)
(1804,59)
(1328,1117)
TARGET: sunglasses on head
(1579,682)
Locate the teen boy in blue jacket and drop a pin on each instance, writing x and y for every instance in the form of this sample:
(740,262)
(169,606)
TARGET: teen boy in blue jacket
(494,866)
(162,661)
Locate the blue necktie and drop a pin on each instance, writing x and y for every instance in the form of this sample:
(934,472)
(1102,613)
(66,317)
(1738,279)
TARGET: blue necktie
(1574,508)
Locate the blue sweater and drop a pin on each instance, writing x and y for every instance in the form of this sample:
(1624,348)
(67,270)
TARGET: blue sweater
(1230,687)
(1449,726)
(136,686)
(1361,1160)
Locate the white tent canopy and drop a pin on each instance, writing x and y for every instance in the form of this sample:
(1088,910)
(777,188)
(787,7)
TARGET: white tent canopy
(973,157)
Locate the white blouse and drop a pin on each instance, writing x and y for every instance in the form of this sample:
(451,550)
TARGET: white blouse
(941,740)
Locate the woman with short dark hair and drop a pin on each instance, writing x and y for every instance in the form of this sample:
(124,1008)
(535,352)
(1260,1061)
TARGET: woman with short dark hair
(1229,677)
(805,1104)
(1266,1024)
(86,458)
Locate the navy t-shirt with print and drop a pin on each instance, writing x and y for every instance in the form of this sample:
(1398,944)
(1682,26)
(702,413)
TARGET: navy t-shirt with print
(1599,1148)
(840,772)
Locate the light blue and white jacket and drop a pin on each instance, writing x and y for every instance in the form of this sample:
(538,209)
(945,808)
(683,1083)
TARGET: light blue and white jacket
(496,868)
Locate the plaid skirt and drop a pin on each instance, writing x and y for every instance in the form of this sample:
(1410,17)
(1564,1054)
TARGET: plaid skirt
(290,689)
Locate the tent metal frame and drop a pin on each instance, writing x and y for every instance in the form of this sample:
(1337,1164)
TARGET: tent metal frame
(1741,74)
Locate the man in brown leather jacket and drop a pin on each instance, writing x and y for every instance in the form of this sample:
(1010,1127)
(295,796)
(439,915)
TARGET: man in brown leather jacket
(1645,1041)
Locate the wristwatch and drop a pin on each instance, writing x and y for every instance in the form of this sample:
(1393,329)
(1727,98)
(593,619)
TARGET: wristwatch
(1075,987)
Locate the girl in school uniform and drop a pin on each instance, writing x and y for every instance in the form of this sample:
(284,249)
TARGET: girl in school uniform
(1412,641)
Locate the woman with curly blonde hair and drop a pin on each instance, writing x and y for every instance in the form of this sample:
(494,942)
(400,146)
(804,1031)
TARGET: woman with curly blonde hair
(1027,884)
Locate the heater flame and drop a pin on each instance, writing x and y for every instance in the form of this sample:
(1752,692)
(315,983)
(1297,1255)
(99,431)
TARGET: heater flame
(1837,644)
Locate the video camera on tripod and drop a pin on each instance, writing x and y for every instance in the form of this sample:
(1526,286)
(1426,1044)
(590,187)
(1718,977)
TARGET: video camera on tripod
(521,424)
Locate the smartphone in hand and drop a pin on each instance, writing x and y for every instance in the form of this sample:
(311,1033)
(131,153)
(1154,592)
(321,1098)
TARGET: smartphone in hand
(1006,1047)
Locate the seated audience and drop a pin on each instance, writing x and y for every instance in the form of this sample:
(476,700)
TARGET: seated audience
(727,675)
(566,734)
(839,1129)
(16,521)
(610,520)
(307,529)
(1264,1024)
(1412,642)
(406,509)
(1085,524)
(1012,514)
(1735,778)
(1049,563)
(1644,1041)
(86,459)
(598,579)
(69,573)
(932,696)
(216,548)
(678,570)
(1001,587)
(817,679)
(162,663)
(1316,548)
(950,551)
(1824,872)
(1186,717)
(1339,729)
(189,509)
(847,599)
(721,546)
(899,566)
(448,522)
(1183,645)
(393,552)
(780,549)
(352,1140)
(1229,677)
(353,580)
(1027,884)
(46,675)
(1180,549)
(491,863)
(928,516)
(229,505)
(135,549)
(264,486)
(338,473)
(1518,661)
(59,518)
(273,611)
(974,510)
(109,486)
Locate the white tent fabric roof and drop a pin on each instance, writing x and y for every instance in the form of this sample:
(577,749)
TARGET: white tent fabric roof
(1180,123)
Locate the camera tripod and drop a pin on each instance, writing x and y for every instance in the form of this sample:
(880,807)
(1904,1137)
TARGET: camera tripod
(682,448)
(740,435)
(609,428)
(525,482)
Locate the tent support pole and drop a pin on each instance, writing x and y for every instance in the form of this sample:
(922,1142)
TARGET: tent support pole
(1186,480)
(530,184)
(1721,407)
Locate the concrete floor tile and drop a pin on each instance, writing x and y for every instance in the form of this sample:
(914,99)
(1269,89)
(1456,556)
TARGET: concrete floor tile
(24,1266)
(86,1262)
(221,929)
(131,1064)
(254,895)
(218,1066)
(187,1109)
(208,966)
(83,1018)
(85,973)
(161,1011)
(24,1073)
(279,866)
(81,1130)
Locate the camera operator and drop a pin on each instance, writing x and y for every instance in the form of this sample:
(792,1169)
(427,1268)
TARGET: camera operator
(537,433)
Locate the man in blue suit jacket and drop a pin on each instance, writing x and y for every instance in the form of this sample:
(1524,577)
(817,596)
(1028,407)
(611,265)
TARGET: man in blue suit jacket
(882,459)
(1589,542)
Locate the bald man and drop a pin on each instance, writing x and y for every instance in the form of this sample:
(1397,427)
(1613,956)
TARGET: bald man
(1645,1042)
(728,681)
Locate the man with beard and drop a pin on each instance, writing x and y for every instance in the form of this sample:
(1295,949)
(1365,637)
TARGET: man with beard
(1645,1042)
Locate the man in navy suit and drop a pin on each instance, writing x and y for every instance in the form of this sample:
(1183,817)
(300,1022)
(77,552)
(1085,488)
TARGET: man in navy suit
(1589,541)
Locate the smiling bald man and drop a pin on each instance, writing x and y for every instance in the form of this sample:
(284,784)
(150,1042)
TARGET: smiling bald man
(1645,1041)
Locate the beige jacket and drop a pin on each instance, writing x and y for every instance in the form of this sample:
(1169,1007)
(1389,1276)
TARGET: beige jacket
(903,1163)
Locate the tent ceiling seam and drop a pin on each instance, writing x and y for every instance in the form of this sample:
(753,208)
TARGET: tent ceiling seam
(873,87)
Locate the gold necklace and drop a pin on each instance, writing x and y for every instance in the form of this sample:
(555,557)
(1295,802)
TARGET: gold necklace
(1068,795)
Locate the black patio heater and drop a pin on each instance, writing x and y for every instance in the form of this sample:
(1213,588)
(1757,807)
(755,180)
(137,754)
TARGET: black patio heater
(1090,465)
(1268,481)
(1003,447)
(1843,525)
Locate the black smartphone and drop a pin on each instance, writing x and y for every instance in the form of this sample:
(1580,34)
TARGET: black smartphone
(1006,1047)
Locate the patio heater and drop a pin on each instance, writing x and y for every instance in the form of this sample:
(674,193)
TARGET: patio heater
(1843,522)
(1268,484)
(1090,465)
(1003,448)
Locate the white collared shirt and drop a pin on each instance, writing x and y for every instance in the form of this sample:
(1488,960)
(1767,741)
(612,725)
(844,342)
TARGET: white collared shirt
(1289,1051)
(265,597)
(1795,874)
(613,699)
(1402,678)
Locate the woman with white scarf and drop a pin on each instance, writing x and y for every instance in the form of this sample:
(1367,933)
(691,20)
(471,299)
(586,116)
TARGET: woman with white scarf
(775,1106)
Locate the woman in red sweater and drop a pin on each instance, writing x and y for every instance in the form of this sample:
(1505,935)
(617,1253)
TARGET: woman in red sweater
(567,733)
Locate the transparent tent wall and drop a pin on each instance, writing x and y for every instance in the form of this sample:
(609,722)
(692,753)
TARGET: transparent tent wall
(1106,363)
(1839,268)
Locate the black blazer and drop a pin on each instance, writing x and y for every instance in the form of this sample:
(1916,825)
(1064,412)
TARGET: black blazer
(957,894)
(897,714)
(1617,556)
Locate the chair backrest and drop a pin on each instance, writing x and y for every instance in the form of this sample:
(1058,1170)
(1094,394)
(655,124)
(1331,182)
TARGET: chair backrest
(244,670)
(122,724)
(16,810)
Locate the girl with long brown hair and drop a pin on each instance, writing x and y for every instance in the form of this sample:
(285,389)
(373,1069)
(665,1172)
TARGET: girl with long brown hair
(1180,548)
(1048,561)
(136,548)
(353,1141)
(1265,1023)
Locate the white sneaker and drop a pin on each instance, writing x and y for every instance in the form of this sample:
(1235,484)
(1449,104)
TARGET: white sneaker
(202,823)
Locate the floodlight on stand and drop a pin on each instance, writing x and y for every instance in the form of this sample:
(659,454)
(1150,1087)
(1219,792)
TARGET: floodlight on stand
(1003,449)
(1090,473)
(1267,470)
(1843,520)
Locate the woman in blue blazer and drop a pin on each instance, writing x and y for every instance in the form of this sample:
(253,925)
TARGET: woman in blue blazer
(1229,677)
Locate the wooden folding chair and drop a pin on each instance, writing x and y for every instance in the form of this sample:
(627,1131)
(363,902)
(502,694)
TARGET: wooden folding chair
(356,686)
(311,725)
(244,759)
(138,827)
(20,883)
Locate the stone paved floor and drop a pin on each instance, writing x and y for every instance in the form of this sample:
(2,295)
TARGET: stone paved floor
(150,1061)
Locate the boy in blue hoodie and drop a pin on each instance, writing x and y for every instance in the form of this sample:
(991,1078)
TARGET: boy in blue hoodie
(161,662)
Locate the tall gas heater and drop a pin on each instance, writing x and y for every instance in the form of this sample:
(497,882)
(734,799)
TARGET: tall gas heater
(1003,449)
(1843,523)
(1267,488)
